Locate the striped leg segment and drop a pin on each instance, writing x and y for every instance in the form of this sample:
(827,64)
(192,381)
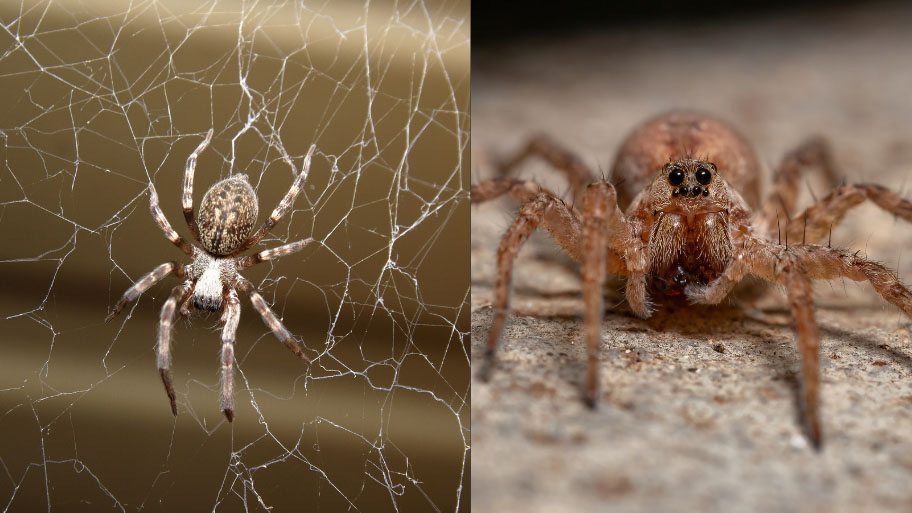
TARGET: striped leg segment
(231,317)
(269,317)
(165,226)
(187,197)
(144,283)
(271,254)
(282,207)
(163,349)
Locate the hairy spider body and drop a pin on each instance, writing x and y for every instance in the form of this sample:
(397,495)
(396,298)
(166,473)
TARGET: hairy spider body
(689,183)
(227,215)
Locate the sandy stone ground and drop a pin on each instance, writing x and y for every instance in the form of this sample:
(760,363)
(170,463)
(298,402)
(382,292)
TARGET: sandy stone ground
(699,409)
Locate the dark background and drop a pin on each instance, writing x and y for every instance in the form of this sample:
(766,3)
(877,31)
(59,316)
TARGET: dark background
(496,23)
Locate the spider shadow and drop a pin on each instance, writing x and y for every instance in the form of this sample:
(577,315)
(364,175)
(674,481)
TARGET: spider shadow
(756,324)
(767,334)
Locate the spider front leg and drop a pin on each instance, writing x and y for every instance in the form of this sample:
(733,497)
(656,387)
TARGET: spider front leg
(144,283)
(282,207)
(785,266)
(187,197)
(165,226)
(163,348)
(269,317)
(231,318)
(605,232)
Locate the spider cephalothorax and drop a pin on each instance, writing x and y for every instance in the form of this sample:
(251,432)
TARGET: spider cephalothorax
(227,215)
(690,230)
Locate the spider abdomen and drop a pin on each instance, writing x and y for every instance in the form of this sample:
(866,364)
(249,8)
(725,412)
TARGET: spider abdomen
(227,215)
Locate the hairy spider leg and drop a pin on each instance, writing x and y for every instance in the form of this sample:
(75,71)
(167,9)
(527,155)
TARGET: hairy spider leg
(814,152)
(165,226)
(163,348)
(143,284)
(815,223)
(542,146)
(543,208)
(269,317)
(282,207)
(231,318)
(272,254)
(187,196)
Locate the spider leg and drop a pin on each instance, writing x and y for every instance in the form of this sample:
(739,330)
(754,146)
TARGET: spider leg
(186,306)
(231,317)
(522,191)
(788,267)
(271,254)
(578,174)
(798,285)
(813,152)
(187,197)
(269,317)
(529,217)
(163,348)
(604,232)
(794,267)
(594,255)
(816,222)
(163,223)
(564,225)
(281,207)
(144,283)
(824,263)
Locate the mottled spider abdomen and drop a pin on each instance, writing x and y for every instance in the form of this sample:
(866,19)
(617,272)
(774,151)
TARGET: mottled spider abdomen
(227,215)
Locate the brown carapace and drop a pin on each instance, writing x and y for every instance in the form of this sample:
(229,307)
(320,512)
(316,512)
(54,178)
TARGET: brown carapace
(693,226)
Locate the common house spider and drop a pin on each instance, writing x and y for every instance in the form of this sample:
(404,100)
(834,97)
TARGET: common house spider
(690,181)
(226,218)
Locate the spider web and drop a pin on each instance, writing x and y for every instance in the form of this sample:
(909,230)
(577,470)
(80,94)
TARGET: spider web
(104,99)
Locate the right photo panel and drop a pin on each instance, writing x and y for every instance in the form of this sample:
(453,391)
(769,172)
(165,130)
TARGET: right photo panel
(688,259)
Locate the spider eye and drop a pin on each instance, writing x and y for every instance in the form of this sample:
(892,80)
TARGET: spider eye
(703,176)
(676,177)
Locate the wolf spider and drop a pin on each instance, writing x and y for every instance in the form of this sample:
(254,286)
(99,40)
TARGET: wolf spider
(689,230)
(226,218)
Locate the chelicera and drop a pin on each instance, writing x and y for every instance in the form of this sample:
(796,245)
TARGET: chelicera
(694,227)
(227,216)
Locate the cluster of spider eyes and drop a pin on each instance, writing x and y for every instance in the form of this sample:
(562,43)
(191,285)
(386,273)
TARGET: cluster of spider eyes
(676,178)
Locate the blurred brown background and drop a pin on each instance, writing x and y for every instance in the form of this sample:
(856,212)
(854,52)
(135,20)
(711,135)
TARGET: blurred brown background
(104,98)
(682,426)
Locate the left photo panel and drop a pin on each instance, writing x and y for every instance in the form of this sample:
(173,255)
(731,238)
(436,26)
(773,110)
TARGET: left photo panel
(234,256)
